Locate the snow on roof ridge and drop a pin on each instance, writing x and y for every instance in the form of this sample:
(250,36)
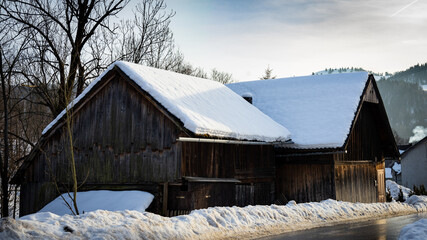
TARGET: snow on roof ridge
(317,109)
(204,106)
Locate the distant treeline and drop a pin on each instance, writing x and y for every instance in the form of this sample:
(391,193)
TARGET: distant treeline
(414,74)
(405,100)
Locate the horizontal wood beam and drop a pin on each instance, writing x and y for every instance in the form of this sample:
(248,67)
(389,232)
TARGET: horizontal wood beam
(211,180)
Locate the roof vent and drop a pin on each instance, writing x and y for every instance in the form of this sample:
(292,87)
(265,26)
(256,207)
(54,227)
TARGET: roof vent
(248,97)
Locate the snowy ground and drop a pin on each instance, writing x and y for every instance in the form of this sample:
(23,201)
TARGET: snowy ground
(414,231)
(395,189)
(211,223)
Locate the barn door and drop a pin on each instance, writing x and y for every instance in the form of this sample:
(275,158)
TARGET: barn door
(381,185)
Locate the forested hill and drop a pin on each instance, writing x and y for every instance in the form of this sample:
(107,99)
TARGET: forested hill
(405,100)
(414,74)
(403,96)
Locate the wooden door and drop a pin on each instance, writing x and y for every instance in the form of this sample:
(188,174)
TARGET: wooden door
(381,185)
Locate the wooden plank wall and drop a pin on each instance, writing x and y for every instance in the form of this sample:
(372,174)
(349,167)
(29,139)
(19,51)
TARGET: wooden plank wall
(355,182)
(305,178)
(254,194)
(119,137)
(253,165)
(217,160)
(197,195)
(364,142)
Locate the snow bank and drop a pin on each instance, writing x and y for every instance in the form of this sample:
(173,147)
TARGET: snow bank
(211,223)
(388,173)
(204,106)
(101,199)
(395,189)
(418,202)
(397,167)
(414,231)
(318,110)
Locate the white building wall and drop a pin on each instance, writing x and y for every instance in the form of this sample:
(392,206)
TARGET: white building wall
(414,166)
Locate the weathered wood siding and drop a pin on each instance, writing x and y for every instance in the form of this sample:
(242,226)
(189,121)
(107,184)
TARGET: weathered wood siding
(253,165)
(305,178)
(356,181)
(352,172)
(260,193)
(364,141)
(197,195)
(119,137)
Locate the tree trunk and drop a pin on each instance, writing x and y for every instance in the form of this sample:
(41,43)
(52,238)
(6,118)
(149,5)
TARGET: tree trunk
(5,160)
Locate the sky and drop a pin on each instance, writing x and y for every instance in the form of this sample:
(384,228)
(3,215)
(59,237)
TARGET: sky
(298,37)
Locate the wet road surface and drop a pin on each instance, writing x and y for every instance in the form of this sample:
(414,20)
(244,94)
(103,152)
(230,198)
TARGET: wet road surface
(381,229)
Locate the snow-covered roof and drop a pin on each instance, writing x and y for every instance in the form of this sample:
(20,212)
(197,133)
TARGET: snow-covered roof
(318,110)
(204,106)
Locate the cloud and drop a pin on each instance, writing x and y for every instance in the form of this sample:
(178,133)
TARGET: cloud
(297,37)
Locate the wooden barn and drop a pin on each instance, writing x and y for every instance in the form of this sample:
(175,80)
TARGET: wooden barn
(193,143)
(340,132)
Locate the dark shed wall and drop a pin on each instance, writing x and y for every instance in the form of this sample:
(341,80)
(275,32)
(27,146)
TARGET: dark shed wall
(253,165)
(355,174)
(364,142)
(217,160)
(120,138)
(355,181)
(305,178)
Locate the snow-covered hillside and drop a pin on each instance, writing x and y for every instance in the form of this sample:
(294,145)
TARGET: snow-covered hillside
(377,76)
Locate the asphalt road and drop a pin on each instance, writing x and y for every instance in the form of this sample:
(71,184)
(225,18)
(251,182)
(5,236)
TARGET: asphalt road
(388,228)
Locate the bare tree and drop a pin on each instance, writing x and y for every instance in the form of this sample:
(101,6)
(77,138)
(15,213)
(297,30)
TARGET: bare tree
(221,77)
(60,32)
(11,47)
(147,39)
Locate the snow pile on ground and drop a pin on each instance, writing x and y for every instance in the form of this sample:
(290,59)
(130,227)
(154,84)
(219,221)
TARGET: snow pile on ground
(101,199)
(395,189)
(388,173)
(204,106)
(318,110)
(211,223)
(414,231)
(418,202)
(397,167)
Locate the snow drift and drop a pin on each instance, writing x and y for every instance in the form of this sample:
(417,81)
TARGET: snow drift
(395,190)
(414,231)
(101,200)
(211,223)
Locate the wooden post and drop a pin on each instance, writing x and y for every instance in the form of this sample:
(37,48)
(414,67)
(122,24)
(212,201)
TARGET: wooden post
(165,199)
